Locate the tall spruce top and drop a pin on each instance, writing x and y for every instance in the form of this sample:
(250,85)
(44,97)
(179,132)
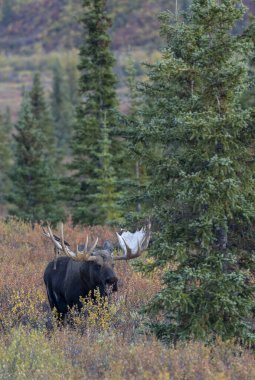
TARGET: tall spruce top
(95,114)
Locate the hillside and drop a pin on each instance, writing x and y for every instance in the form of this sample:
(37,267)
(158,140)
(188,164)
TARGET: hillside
(53,24)
(33,34)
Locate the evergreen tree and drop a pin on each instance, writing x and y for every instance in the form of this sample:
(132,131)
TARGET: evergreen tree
(97,99)
(5,155)
(40,109)
(7,120)
(7,11)
(199,148)
(72,81)
(133,183)
(106,198)
(35,185)
(61,107)
(248,98)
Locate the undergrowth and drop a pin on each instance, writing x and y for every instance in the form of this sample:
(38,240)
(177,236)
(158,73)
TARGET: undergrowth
(107,340)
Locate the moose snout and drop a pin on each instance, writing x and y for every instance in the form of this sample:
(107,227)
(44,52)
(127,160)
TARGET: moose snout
(112,281)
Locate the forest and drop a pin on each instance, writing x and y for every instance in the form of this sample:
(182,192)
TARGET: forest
(128,129)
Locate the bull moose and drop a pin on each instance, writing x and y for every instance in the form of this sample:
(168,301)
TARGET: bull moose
(78,274)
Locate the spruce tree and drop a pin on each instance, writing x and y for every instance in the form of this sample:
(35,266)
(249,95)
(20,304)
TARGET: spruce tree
(40,109)
(72,80)
(97,99)
(133,184)
(35,186)
(61,107)
(5,155)
(199,148)
(7,11)
(106,198)
(248,98)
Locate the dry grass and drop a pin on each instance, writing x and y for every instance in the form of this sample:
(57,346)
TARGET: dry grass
(111,343)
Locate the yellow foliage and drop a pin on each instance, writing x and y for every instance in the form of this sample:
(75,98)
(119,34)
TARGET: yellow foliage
(108,340)
(30,355)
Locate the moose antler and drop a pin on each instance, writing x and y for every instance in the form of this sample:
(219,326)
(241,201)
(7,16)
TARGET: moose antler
(62,245)
(133,244)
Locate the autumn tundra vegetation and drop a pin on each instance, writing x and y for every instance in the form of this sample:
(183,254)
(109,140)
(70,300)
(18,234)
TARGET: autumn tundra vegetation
(173,176)
(112,342)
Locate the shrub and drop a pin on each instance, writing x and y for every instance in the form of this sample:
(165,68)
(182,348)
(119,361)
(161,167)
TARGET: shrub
(30,355)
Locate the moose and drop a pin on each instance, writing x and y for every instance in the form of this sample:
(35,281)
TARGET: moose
(78,274)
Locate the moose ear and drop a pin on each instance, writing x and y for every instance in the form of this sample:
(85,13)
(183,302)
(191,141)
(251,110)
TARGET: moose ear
(108,246)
